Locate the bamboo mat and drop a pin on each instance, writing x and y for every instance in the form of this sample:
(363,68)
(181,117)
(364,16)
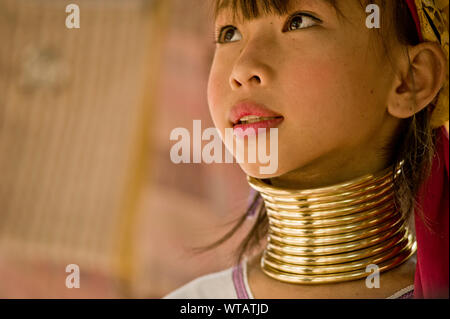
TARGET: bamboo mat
(74,108)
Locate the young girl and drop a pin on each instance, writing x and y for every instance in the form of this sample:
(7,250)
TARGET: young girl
(358,207)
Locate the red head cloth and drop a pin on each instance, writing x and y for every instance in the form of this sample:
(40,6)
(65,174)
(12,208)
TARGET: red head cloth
(432,270)
(413,9)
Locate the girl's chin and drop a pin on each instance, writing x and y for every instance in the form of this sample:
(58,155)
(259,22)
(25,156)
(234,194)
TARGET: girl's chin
(260,171)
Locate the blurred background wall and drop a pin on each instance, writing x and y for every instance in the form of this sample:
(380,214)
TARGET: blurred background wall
(86,176)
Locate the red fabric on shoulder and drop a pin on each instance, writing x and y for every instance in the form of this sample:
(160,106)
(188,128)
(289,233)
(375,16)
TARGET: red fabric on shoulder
(432,269)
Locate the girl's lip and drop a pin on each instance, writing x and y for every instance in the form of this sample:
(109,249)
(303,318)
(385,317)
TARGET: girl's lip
(242,130)
(246,108)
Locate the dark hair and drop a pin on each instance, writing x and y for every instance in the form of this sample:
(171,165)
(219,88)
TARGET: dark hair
(414,141)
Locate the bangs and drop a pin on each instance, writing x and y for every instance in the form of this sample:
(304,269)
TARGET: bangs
(253,9)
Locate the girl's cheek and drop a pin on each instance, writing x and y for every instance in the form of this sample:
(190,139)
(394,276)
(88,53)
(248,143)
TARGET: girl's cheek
(216,99)
(212,88)
(313,82)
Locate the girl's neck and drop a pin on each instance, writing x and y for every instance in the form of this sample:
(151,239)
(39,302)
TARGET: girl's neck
(330,170)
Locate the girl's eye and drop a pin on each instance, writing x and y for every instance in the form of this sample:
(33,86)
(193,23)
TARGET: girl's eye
(229,34)
(300,21)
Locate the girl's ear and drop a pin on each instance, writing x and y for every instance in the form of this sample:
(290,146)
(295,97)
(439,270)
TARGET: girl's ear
(418,80)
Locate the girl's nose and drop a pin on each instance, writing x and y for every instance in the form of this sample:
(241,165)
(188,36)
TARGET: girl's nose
(251,70)
(237,81)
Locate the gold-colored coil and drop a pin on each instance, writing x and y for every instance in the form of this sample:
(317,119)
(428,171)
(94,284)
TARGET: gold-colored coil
(378,257)
(308,250)
(335,239)
(279,221)
(294,212)
(333,230)
(337,277)
(331,234)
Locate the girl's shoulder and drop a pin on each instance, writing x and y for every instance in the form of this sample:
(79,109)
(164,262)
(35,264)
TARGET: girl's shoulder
(230,283)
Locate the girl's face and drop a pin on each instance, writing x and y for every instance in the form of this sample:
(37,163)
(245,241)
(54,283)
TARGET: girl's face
(325,74)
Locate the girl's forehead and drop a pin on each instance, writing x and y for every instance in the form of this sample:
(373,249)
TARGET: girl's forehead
(251,9)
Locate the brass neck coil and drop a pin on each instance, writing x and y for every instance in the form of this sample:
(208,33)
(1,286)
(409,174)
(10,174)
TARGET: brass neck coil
(331,234)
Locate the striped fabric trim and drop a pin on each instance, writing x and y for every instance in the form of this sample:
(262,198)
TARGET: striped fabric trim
(238,281)
(408,295)
(405,293)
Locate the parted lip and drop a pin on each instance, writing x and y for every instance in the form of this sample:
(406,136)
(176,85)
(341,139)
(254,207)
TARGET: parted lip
(246,108)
